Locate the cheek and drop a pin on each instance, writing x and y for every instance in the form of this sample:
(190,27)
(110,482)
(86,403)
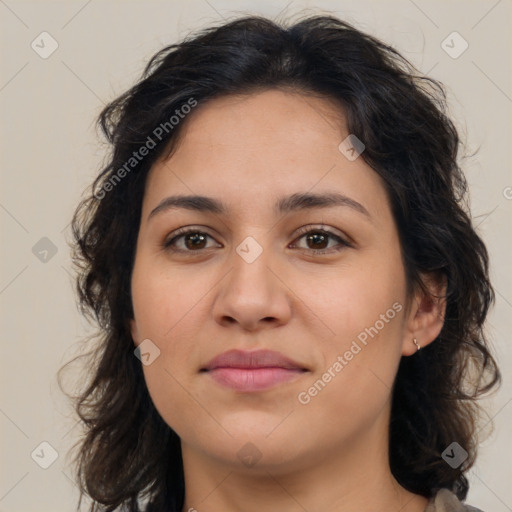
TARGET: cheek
(165,300)
(360,362)
(176,403)
(164,310)
(348,301)
(362,311)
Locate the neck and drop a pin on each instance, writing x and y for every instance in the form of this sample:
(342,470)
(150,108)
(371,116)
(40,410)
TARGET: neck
(352,478)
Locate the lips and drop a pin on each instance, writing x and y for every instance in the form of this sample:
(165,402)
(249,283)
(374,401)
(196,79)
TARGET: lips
(258,370)
(255,359)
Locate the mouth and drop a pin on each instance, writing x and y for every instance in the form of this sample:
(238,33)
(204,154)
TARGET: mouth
(252,371)
(254,379)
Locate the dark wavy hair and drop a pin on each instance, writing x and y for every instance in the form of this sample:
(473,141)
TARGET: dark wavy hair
(129,458)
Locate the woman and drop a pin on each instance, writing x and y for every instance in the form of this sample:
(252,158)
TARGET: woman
(290,292)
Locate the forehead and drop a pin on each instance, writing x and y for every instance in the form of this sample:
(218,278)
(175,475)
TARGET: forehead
(278,117)
(252,149)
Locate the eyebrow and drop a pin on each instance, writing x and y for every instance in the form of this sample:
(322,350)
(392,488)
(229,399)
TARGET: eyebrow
(295,202)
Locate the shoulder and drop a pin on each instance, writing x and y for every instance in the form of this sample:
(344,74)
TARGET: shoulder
(446,501)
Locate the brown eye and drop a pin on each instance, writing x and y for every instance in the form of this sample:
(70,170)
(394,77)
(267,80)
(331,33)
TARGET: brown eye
(318,240)
(188,241)
(195,240)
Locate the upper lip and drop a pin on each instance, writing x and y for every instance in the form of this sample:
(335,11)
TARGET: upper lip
(254,359)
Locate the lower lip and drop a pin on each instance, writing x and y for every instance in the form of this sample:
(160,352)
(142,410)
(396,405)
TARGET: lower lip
(254,379)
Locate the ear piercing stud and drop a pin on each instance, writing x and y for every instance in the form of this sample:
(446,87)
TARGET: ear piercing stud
(415,341)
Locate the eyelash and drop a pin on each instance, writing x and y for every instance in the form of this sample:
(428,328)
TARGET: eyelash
(180,233)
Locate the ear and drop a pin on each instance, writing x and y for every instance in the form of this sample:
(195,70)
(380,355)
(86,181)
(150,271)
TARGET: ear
(426,314)
(134,331)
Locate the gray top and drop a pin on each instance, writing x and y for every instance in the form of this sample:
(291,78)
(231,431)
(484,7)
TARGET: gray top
(446,501)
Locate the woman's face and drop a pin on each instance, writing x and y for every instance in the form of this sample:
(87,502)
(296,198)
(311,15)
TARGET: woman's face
(253,277)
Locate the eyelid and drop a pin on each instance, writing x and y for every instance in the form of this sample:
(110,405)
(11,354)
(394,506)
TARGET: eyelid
(322,227)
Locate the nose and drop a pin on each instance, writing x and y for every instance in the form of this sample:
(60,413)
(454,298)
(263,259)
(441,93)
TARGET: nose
(253,295)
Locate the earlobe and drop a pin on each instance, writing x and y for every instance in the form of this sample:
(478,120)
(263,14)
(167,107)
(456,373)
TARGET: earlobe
(134,331)
(426,315)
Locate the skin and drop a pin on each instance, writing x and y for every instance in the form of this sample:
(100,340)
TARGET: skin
(330,454)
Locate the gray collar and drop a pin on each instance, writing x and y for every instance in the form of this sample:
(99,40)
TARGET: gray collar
(446,501)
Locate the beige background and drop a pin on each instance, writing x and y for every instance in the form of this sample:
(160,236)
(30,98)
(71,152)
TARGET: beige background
(50,152)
